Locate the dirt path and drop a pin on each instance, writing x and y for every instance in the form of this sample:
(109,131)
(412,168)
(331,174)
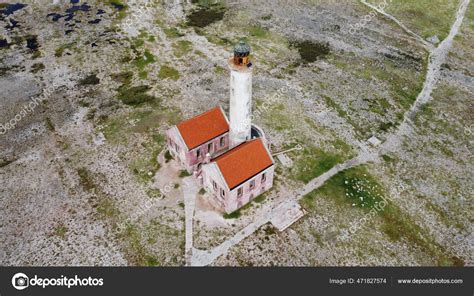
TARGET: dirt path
(428,45)
(436,59)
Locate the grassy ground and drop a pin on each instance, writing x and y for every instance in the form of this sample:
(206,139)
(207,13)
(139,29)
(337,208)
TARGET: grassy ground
(312,162)
(356,190)
(425,17)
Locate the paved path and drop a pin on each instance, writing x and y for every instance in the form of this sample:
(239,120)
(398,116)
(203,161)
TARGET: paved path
(436,59)
(190,190)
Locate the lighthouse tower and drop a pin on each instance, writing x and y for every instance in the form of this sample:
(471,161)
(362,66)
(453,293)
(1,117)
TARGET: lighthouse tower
(240,94)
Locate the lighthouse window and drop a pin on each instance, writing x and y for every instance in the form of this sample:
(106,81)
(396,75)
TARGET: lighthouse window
(222,193)
(240,191)
(222,141)
(264,177)
(252,184)
(198,152)
(209,147)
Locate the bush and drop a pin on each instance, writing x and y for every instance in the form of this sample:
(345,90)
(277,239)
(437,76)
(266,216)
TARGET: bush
(184,173)
(90,80)
(233,215)
(168,156)
(134,95)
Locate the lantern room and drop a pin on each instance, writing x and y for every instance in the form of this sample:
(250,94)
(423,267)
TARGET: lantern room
(242,54)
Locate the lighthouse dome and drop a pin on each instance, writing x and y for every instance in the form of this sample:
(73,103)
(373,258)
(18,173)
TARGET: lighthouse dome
(242,49)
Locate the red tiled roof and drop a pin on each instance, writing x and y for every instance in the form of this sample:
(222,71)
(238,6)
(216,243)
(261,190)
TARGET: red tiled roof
(243,162)
(204,127)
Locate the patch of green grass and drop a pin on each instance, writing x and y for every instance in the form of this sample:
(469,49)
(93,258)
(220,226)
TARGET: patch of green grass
(120,6)
(143,75)
(426,22)
(168,72)
(312,162)
(260,198)
(172,32)
(278,119)
(342,146)
(145,168)
(151,261)
(123,77)
(218,40)
(141,242)
(143,61)
(60,231)
(60,50)
(258,31)
(184,173)
(182,47)
(138,42)
(357,189)
(135,95)
(218,69)
(233,215)
(107,208)
(354,186)
(85,179)
(147,165)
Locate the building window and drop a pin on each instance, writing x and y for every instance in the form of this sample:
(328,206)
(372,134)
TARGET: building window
(252,184)
(209,148)
(198,153)
(240,191)
(264,177)
(214,185)
(222,193)
(222,142)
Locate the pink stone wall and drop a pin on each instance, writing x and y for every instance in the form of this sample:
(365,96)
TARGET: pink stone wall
(231,200)
(190,159)
(235,202)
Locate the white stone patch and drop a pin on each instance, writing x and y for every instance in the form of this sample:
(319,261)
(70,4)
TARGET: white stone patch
(286,214)
(99,139)
(285,160)
(374,141)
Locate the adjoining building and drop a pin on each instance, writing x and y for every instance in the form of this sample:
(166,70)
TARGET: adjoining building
(230,158)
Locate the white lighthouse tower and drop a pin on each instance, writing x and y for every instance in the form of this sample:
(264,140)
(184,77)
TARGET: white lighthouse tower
(240,94)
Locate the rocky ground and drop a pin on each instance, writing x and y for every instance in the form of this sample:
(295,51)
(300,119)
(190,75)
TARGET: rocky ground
(85,179)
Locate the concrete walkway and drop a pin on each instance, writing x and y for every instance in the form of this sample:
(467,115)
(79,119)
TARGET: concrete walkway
(190,191)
